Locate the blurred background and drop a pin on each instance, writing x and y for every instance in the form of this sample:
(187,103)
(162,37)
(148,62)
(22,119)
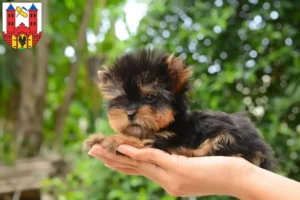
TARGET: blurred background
(245,56)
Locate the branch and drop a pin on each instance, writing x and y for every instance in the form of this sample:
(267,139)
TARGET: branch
(63,109)
(40,85)
(28,174)
(42,54)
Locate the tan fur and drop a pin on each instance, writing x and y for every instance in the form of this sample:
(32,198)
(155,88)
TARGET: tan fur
(182,151)
(258,158)
(148,142)
(92,140)
(150,88)
(164,134)
(109,95)
(137,131)
(117,119)
(109,88)
(170,58)
(146,89)
(183,77)
(207,148)
(221,139)
(237,155)
(204,149)
(154,120)
(102,75)
(177,72)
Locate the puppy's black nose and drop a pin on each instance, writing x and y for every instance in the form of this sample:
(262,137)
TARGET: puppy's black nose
(131,114)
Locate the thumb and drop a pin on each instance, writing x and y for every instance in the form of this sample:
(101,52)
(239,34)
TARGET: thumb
(155,156)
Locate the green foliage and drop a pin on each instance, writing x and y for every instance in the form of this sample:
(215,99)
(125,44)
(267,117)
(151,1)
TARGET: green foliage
(243,58)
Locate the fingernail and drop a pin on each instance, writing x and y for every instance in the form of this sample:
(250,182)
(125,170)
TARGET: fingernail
(121,149)
(91,153)
(97,146)
(99,149)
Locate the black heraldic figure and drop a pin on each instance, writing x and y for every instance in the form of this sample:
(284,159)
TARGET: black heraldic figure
(22,40)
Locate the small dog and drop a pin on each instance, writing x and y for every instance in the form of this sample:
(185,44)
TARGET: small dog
(147,107)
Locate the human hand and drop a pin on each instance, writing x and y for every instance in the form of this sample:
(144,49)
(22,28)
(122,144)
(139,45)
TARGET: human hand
(178,175)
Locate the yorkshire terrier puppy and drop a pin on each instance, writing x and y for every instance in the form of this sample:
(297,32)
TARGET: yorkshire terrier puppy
(147,107)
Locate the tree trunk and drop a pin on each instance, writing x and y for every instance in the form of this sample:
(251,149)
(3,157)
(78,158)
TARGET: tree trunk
(33,81)
(63,109)
(27,102)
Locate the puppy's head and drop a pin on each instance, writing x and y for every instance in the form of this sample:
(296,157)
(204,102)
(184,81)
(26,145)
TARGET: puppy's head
(141,90)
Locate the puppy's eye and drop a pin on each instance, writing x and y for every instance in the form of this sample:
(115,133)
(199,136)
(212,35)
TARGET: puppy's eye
(150,98)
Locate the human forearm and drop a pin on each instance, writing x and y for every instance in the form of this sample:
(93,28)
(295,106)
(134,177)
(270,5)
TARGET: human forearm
(260,184)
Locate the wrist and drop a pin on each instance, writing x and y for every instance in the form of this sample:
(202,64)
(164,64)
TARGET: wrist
(240,172)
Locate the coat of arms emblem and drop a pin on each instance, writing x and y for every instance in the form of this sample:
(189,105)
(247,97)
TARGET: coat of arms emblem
(22,24)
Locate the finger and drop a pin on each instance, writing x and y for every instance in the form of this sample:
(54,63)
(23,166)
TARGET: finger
(153,172)
(98,150)
(155,156)
(149,170)
(112,163)
(126,171)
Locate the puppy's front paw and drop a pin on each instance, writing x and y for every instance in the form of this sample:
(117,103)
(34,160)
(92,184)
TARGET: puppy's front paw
(111,143)
(92,140)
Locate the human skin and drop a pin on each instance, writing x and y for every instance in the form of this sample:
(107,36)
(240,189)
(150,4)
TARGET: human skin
(201,176)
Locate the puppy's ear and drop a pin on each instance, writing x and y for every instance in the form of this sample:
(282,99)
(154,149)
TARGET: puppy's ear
(178,72)
(109,88)
(104,77)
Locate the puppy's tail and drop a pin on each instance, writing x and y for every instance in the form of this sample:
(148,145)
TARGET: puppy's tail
(268,164)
